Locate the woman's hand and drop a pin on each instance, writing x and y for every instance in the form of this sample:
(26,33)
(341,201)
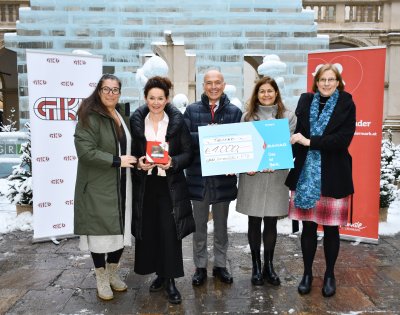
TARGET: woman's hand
(232,174)
(251,173)
(299,138)
(165,166)
(145,166)
(268,170)
(127,161)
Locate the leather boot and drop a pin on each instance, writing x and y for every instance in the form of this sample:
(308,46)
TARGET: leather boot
(199,276)
(268,270)
(157,284)
(115,282)
(103,284)
(305,285)
(172,292)
(256,275)
(329,288)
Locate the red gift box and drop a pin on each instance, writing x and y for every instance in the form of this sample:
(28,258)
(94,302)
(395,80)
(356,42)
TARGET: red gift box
(157,152)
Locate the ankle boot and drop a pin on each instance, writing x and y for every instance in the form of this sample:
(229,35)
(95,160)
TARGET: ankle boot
(268,270)
(115,282)
(305,285)
(172,292)
(103,284)
(329,288)
(256,275)
(157,284)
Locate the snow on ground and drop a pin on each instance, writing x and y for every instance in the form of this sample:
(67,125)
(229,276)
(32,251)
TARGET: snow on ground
(8,214)
(237,222)
(392,226)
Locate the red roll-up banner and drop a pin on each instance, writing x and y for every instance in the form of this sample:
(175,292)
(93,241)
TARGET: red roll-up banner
(363,72)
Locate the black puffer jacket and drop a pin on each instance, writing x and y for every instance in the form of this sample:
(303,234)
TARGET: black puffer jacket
(336,162)
(222,187)
(181,152)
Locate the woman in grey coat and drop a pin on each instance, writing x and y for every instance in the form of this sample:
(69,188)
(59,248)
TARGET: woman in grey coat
(263,195)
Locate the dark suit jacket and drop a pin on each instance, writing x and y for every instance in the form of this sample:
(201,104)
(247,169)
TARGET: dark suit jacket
(336,162)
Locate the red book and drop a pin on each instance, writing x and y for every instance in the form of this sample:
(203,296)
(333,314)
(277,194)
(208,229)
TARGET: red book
(157,152)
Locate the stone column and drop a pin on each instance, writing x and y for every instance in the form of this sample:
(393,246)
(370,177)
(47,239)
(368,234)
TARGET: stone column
(365,13)
(374,14)
(392,109)
(358,13)
(351,13)
(319,13)
(181,71)
(339,13)
(5,7)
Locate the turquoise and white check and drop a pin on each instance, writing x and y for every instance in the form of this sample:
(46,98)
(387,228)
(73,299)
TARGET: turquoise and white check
(245,147)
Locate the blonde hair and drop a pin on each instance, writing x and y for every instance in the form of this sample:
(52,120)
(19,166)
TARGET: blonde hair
(321,70)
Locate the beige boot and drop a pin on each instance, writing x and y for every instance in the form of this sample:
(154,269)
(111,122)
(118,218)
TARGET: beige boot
(103,284)
(116,283)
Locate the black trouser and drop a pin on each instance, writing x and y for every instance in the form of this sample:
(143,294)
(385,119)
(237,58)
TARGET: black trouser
(159,250)
(113,257)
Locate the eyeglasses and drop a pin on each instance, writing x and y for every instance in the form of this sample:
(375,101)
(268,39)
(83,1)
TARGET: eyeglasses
(106,90)
(330,80)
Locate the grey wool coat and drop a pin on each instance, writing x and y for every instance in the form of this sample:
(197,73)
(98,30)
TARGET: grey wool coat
(265,194)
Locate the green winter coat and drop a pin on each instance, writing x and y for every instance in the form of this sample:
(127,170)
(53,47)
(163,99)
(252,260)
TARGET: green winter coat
(97,204)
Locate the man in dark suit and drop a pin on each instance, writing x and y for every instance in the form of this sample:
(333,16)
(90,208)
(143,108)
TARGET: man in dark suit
(218,191)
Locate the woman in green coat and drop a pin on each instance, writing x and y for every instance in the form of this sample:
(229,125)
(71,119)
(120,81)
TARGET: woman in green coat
(103,191)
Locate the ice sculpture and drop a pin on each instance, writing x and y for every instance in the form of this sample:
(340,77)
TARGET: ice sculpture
(230,91)
(273,66)
(221,34)
(181,101)
(155,66)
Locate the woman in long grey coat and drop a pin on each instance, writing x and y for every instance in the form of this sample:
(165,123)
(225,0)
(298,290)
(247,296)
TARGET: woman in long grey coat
(263,195)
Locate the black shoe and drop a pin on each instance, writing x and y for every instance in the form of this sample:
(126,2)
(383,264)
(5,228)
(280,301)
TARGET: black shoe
(305,285)
(157,284)
(199,276)
(172,292)
(222,274)
(256,275)
(329,287)
(268,270)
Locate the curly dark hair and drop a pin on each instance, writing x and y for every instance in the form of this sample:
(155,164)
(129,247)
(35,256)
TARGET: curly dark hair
(158,82)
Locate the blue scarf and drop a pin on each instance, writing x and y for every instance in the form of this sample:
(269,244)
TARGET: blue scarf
(308,189)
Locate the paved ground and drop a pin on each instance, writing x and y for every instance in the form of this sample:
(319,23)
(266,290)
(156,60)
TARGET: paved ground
(59,279)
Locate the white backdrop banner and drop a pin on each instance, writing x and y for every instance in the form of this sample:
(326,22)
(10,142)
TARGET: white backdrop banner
(57,84)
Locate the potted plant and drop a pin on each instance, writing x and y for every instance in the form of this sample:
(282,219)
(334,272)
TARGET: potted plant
(389,170)
(20,181)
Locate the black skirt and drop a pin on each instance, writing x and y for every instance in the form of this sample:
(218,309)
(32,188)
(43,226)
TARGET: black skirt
(159,251)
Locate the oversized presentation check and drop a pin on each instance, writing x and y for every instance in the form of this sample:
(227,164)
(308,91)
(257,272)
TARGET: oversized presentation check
(245,147)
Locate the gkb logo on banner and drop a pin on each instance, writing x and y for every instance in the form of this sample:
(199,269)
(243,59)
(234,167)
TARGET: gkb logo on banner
(56,108)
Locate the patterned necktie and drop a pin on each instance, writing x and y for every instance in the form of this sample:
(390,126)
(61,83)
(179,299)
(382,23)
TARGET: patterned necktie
(212,110)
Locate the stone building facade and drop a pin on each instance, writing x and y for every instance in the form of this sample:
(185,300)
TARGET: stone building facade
(353,23)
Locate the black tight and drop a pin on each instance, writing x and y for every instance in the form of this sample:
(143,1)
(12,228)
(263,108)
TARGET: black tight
(112,258)
(309,246)
(269,234)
